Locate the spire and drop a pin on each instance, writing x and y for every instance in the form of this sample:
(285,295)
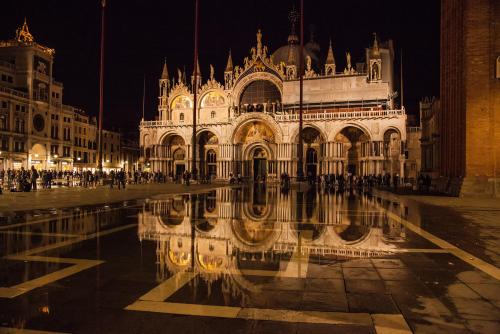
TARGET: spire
(23,34)
(164,74)
(330,59)
(229,65)
(293,17)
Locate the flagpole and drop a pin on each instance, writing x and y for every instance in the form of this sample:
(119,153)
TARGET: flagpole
(101,89)
(143,94)
(195,89)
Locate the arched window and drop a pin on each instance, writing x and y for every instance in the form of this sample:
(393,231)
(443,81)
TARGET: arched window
(259,92)
(181,116)
(212,114)
(211,162)
(211,157)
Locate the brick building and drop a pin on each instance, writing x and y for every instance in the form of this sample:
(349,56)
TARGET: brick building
(470,96)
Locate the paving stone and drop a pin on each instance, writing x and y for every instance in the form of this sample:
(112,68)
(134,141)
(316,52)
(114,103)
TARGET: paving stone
(326,302)
(361,263)
(365,285)
(361,273)
(475,309)
(389,274)
(303,328)
(388,263)
(371,303)
(325,285)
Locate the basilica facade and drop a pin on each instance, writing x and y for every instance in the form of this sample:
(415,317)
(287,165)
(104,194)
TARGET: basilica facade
(249,124)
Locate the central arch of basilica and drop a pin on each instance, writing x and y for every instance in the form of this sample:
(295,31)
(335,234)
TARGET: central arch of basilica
(249,124)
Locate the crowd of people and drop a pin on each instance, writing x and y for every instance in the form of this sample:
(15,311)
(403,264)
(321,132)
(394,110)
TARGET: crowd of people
(32,179)
(24,180)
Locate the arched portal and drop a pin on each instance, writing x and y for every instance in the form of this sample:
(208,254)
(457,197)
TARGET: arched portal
(257,142)
(171,156)
(207,154)
(38,156)
(313,141)
(392,152)
(355,146)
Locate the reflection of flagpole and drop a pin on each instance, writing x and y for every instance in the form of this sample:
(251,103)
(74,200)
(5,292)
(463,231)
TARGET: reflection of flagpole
(300,151)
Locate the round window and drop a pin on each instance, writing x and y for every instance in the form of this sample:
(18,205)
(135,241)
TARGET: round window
(38,122)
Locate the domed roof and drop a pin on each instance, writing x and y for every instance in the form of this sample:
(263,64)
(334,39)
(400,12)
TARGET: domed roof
(281,55)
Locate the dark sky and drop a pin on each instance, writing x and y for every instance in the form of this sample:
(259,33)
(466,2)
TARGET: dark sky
(141,33)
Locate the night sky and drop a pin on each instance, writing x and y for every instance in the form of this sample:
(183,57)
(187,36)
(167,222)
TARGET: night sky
(141,33)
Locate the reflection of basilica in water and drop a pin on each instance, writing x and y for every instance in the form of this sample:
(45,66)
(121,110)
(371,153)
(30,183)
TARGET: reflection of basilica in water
(230,230)
(248,125)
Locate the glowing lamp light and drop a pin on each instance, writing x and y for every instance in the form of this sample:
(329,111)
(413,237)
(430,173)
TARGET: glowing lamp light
(78,158)
(36,155)
(107,160)
(56,156)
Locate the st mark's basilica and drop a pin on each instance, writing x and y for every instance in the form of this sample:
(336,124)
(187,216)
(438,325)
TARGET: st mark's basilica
(249,124)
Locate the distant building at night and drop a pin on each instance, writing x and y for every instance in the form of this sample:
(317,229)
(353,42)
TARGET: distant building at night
(249,124)
(36,128)
(470,96)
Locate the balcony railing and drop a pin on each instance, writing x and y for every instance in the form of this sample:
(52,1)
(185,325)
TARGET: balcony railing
(413,129)
(294,117)
(13,92)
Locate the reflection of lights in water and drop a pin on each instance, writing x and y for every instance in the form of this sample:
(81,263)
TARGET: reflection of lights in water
(335,226)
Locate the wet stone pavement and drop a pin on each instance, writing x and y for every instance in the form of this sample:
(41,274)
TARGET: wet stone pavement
(247,260)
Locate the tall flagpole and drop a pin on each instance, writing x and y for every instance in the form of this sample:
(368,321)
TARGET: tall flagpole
(300,151)
(195,89)
(101,89)
(143,94)
(401,64)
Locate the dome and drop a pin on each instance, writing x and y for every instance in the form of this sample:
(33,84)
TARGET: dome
(281,55)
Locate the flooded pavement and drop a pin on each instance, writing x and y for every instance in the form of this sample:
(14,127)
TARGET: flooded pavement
(245,260)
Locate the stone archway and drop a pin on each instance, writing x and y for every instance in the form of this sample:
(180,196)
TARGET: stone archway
(392,151)
(38,154)
(354,150)
(313,141)
(171,156)
(256,140)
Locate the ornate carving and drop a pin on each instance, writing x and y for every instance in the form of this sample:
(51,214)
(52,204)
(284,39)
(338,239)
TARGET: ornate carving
(309,71)
(23,34)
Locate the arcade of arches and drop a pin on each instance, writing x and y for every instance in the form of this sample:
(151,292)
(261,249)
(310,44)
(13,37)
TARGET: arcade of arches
(256,153)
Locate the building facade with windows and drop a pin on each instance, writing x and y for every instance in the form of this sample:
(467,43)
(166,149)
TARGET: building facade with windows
(36,128)
(249,124)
